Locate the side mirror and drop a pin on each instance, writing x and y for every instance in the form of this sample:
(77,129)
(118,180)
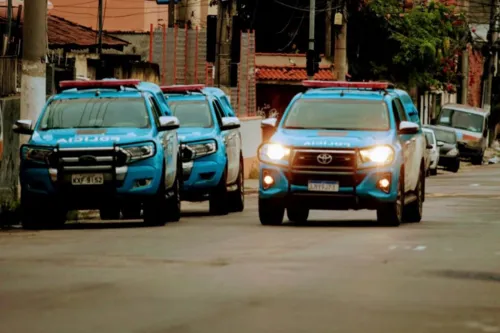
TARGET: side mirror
(269,122)
(407,127)
(440,143)
(168,123)
(230,123)
(23,127)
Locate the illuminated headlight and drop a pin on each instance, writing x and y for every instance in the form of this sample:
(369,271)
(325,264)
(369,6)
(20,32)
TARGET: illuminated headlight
(36,154)
(379,155)
(201,149)
(274,152)
(452,152)
(139,152)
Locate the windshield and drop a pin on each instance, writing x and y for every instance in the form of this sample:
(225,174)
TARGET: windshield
(95,113)
(336,114)
(192,113)
(445,136)
(462,120)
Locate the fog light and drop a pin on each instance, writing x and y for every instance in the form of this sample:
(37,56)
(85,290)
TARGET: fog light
(142,182)
(384,183)
(268,180)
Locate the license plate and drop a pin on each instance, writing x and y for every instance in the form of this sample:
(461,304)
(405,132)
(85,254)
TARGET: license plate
(321,186)
(87,179)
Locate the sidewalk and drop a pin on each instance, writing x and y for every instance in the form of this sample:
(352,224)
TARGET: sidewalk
(251,186)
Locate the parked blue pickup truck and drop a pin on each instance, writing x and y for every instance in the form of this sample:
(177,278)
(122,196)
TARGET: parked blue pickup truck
(104,145)
(344,145)
(212,158)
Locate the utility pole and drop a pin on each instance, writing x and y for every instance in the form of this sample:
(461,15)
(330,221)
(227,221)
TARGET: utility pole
(328,23)
(100,28)
(223,67)
(33,80)
(465,76)
(492,62)
(312,21)
(171,13)
(340,60)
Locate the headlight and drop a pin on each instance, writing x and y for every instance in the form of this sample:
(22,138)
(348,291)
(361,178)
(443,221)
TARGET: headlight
(452,152)
(274,152)
(378,155)
(197,150)
(36,154)
(139,152)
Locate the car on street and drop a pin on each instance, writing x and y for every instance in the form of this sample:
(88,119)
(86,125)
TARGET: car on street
(212,157)
(433,150)
(344,145)
(471,125)
(103,144)
(449,154)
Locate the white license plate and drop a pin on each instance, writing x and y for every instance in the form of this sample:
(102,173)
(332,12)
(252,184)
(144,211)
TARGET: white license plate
(320,186)
(87,179)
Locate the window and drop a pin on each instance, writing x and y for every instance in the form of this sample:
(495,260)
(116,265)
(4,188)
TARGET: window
(192,113)
(156,110)
(218,112)
(338,114)
(445,136)
(462,120)
(401,110)
(98,112)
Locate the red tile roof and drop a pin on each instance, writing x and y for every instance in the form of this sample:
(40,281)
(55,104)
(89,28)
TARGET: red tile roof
(64,33)
(291,73)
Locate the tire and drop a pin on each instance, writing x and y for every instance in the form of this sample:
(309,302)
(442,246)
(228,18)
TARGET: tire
(132,211)
(477,160)
(297,214)
(413,212)
(37,213)
(173,205)
(271,212)
(218,202)
(434,172)
(155,208)
(391,214)
(109,213)
(237,198)
(455,167)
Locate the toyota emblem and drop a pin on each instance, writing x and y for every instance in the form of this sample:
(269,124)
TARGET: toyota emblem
(324,159)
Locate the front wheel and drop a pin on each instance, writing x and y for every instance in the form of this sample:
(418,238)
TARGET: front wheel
(38,213)
(434,172)
(413,211)
(271,212)
(155,208)
(237,198)
(297,214)
(174,202)
(455,167)
(391,214)
(477,160)
(219,198)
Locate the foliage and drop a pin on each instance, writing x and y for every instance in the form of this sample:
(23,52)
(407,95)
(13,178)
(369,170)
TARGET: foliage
(417,46)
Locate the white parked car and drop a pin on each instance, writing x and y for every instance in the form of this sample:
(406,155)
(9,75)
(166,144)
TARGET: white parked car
(433,152)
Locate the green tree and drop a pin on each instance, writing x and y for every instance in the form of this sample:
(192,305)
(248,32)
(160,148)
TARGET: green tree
(413,47)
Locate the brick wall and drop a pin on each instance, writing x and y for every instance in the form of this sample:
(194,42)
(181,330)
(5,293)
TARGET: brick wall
(476,62)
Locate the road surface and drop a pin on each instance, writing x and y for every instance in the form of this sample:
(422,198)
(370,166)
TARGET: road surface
(339,273)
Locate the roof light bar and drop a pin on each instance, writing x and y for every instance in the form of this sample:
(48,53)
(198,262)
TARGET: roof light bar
(99,84)
(348,85)
(183,88)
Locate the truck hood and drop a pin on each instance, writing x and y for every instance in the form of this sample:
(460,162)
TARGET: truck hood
(191,134)
(90,137)
(331,138)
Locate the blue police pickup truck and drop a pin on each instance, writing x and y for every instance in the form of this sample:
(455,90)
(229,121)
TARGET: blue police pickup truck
(341,146)
(105,144)
(212,158)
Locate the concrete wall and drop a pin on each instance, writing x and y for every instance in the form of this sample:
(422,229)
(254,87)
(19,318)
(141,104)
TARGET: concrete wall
(139,44)
(251,139)
(9,167)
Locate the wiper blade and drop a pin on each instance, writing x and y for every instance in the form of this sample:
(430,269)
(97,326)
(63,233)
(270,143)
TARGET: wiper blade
(296,127)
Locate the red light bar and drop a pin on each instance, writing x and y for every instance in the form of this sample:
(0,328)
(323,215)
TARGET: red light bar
(183,88)
(347,85)
(99,84)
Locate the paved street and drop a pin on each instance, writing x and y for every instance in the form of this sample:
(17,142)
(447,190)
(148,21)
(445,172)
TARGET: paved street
(340,273)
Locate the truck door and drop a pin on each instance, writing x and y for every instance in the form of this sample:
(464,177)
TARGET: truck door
(231,138)
(406,142)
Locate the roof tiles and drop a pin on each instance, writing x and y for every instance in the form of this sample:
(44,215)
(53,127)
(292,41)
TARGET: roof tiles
(290,73)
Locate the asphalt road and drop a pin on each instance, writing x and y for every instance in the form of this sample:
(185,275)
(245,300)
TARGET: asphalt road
(340,273)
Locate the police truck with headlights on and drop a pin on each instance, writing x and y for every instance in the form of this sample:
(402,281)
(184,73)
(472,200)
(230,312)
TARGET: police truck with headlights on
(340,146)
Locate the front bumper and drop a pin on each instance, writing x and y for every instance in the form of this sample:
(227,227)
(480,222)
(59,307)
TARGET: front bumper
(470,150)
(119,182)
(202,175)
(357,190)
(449,161)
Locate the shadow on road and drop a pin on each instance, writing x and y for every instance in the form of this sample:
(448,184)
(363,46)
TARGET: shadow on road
(335,224)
